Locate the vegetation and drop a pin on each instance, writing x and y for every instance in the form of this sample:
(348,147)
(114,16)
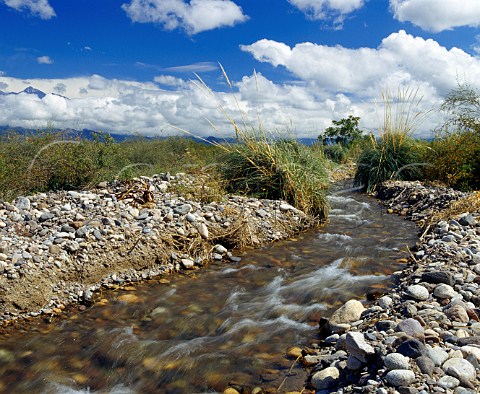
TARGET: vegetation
(455,152)
(56,161)
(344,132)
(395,154)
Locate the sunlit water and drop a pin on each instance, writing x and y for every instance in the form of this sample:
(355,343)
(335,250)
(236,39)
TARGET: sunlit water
(231,322)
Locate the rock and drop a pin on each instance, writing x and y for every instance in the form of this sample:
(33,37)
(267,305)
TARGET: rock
(400,377)
(23,203)
(183,209)
(326,378)
(188,264)
(437,355)
(230,390)
(412,328)
(220,249)
(385,302)
(448,382)
(471,350)
(417,292)
(396,361)
(349,312)
(457,313)
(354,364)
(412,348)
(426,365)
(467,220)
(294,352)
(443,290)
(129,298)
(71,246)
(54,249)
(45,216)
(460,369)
(473,340)
(438,277)
(203,230)
(358,347)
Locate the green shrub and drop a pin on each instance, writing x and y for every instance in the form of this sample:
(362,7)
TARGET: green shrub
(454,159)
(277,170)
(335,152)
(395,154)
(392,156)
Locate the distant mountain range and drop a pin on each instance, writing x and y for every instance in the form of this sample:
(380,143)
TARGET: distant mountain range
(31,90)
(89,134)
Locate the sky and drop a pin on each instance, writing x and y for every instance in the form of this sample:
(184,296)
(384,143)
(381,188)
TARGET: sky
(155,67)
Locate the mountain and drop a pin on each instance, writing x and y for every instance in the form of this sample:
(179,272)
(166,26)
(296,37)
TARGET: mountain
(27,90)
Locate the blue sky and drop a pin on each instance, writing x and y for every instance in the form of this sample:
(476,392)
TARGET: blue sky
(127,66)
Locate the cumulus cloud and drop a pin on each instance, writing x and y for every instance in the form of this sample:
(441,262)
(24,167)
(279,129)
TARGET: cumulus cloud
(329,83)
(193,17)
(437,15)
(335,10)
(400,58)
(44,60)
(40,8)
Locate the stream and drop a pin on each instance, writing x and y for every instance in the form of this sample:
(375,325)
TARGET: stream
(230,323)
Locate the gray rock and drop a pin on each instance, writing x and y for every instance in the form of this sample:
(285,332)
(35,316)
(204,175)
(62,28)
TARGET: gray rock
(473,340)
(354,364)
(191,217)
(188,264)
(97,234)
(203,230)
(417,292)
(385,302)
(54,249)
(23,203)
(326,378)
(71,246)
(460,369)
(443,290)
(400,377)
(358,347)
(45,216)
(262,213)
(183,209)
(448,382)
(425,364)
(396,361)
(412,328)
(467,220)
(220,249)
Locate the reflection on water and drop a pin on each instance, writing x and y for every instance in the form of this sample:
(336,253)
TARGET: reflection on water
(227,323)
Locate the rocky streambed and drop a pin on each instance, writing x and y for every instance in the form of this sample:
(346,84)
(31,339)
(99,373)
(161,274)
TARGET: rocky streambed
(424,335)
(60,248)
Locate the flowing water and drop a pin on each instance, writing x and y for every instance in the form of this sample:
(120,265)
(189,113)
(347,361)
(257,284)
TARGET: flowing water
(230,322)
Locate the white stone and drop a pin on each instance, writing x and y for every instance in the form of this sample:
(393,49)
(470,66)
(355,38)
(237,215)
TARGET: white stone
(443,290)
(460,368)
(417,292)
(400,377)
(357,346)
(396,361)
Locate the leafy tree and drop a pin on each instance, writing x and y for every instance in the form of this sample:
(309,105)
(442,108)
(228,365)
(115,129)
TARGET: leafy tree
(343,132)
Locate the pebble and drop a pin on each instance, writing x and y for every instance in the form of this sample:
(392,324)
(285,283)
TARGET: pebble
(425,334)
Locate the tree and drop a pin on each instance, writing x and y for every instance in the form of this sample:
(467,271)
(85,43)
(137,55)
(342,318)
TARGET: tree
(343,132)
(462,108)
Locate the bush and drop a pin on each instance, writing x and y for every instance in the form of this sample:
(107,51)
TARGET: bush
(335,152)
(395,155)
(277,170)
(454,160)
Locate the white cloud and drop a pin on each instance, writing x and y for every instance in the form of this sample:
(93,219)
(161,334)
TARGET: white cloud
(329,83)
(40,8)
(400,57)
(169,80)
(44,60)
(335,10)
(437,15)
(194,16)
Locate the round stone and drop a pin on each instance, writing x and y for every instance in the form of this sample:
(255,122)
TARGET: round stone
(400,377)
(444,291)
(396,361)
(461,369)
(448,382)
(417,292)
(326,378)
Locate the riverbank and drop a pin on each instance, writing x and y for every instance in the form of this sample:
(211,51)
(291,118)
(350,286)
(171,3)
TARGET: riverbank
(60,248)
(424,335)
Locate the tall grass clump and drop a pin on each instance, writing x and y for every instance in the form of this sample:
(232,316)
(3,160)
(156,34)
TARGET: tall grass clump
(273,166)
(394,154)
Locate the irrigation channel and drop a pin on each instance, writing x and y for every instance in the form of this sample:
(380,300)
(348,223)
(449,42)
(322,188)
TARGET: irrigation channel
(227,323)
